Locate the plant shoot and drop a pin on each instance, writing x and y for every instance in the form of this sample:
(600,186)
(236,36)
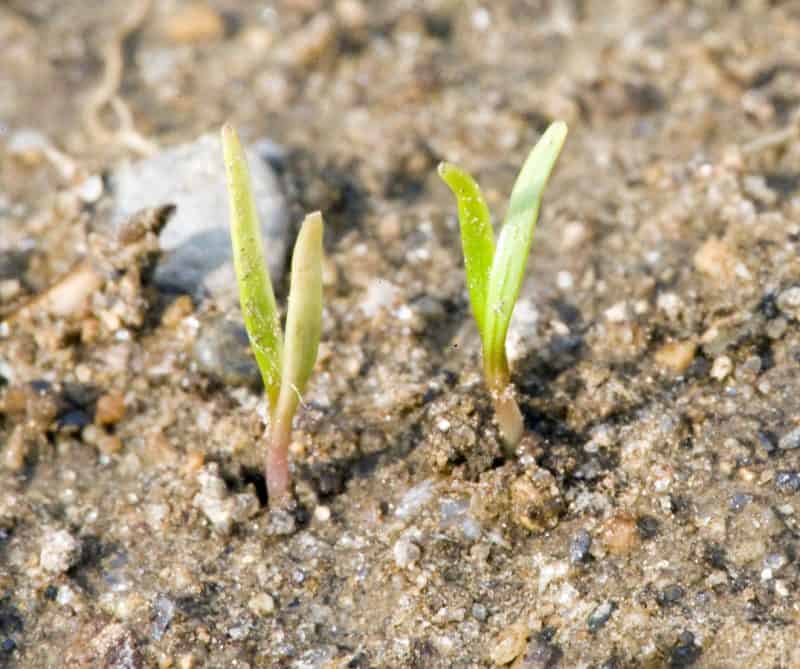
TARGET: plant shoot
(494,275)
(285,362)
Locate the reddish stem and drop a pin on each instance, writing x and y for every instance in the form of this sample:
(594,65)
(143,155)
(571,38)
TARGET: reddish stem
(277,474)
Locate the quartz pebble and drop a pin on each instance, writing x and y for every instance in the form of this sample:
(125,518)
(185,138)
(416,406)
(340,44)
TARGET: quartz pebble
(262,604)
(790,440)
(406,552)
(789,302)
(196,241)
(59,551)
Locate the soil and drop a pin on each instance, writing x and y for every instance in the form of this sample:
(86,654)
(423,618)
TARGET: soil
(646,520)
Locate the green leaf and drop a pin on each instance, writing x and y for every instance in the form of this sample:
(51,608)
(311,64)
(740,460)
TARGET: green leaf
(477,238)
(304,313)
(508,267)
(259,310)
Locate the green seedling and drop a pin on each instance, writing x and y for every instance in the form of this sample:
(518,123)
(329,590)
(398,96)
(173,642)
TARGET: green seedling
(286,361)
(494,276)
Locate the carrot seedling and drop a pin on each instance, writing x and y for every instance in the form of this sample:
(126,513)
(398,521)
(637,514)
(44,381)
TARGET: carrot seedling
(494,276)
(286,361)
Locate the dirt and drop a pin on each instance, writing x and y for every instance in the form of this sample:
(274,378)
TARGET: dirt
(646,520)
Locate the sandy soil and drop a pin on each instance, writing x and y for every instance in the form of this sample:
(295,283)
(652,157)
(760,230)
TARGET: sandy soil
(648,518)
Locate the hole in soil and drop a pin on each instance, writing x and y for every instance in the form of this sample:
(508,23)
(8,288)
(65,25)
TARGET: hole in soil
(256,477)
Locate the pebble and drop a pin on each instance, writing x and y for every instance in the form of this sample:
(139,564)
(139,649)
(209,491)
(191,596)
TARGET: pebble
(717,260)
(600,616)
(222,350)
(580,546)
(480,612)
(281,522)
(787,481)
(685,653)
(110,408)
(619,534)
(676,356)
(9,289)
(670,595)
(721,368)
(307,46)
(194,23)
(322,514)
(262,604)
(790,440)
(196,240)
(511,643)
(617,313)
(789,302)
(220,507)
(91,189)
(414,499)
(180,308)
(406,552)
(536,501)
(352,14)
(59,551)
(165,609)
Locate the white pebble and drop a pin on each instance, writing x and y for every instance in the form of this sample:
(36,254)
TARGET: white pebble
(60,551)
(262,604)
(721,368)
(406,552)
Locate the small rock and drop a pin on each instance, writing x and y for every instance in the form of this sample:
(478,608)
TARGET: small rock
(717,260)
(165,609)
(511,643)
(194,23)
(221,508)
(479,612)
(618,313)
(406,552)
(222,350)
(789,302)
(676,356)
(262,604)
(352,14)
(580,546)
(619,534)
(790,440)
(670,595)
(60,551)
(787,481)
(91,189)
(196,240)
(281,522)
(685,653)
(414,499)
(110,408)
(308,45)
(10,289)
(600,616)
(536,501)
(721,368)
(648,527)
(322,514)
(180,308)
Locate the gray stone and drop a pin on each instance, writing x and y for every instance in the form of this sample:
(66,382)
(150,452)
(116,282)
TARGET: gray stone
(196,240)
(790,440)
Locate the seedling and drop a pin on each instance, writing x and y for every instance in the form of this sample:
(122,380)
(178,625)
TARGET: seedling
(494,276)
(285,361)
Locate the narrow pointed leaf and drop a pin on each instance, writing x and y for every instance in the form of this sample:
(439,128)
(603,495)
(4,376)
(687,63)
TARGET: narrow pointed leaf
(257,298)
(508,267)
(304,314)
(477,238)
